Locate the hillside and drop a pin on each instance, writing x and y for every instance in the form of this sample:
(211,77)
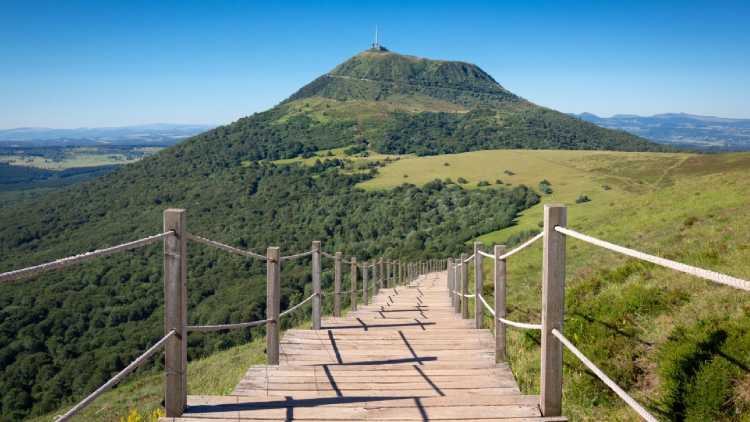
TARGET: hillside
(63,334)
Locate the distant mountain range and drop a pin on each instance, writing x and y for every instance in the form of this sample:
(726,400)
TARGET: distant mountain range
(681,130)
(162,134)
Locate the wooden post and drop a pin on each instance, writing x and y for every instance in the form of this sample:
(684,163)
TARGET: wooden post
(273,303)
(388,274)
(457,285)
(365,284)
(337,285)
(175,312)
(553,305)
(500,312)
(464,287)
(478,286)
(353,276)
(381,272)
(316,300)
(374,278)
(450,282)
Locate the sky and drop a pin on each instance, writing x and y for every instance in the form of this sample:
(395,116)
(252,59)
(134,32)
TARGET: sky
(115,63)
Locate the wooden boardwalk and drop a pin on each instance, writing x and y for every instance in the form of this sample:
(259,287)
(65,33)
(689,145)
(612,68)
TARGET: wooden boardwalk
(405,357)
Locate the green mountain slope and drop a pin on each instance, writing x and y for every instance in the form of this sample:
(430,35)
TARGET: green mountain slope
(63,334)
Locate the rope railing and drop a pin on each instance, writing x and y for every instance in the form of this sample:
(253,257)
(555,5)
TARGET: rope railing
(602,376)
(327,255)
(77,259)
(224,247)
(463,295)
(298,255)
(140,360)
(295,307)
(667,263)
(486,305)
(221,327)
(469,258)
(486,255)
(522,246)
(524,325)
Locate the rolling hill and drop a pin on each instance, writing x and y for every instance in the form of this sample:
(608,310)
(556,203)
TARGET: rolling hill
(63,334)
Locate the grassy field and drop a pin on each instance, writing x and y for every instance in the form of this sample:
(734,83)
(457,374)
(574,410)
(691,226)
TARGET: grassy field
(604,176)
(78,157)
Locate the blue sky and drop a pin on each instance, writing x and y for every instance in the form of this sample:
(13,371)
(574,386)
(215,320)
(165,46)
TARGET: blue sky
(110,63)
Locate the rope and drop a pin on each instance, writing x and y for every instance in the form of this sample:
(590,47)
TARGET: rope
(488,255)
(76,259)
(295,256)
(220,327)
(140,360)
(327,255)
(463,295)
(522,246)
(294,308)
(523,325)
(469,258)
(684,268)
(492,311)
(227,248)
(607,380)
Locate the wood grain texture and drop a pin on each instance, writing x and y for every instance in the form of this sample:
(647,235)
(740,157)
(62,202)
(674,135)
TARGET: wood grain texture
(406,356)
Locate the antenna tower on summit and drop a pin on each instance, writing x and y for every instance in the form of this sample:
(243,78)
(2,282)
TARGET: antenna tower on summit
(376,45)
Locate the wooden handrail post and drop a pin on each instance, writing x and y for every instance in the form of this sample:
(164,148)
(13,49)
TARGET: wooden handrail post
(273,303)
(381,272)
(500,312)
(478,286)
(457,284)
(553,306)
(374,277)
(353,276)
(464,287)
(175,312)
(337,285)
(388,274)
(316,300)
(365,284)
(450,282)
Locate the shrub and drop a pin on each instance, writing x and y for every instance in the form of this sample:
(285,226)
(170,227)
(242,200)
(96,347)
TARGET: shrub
(606,187)
(462,181)
(509,173)
(483,183)
(582,198)
(498,182)
(446,164)
(545,187)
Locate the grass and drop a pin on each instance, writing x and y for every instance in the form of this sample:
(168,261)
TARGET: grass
(74,158)
(676,343)
(216,374)
(605,176)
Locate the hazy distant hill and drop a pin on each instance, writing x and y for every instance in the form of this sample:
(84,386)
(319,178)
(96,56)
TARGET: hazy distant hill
(156,134)
(682,130)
